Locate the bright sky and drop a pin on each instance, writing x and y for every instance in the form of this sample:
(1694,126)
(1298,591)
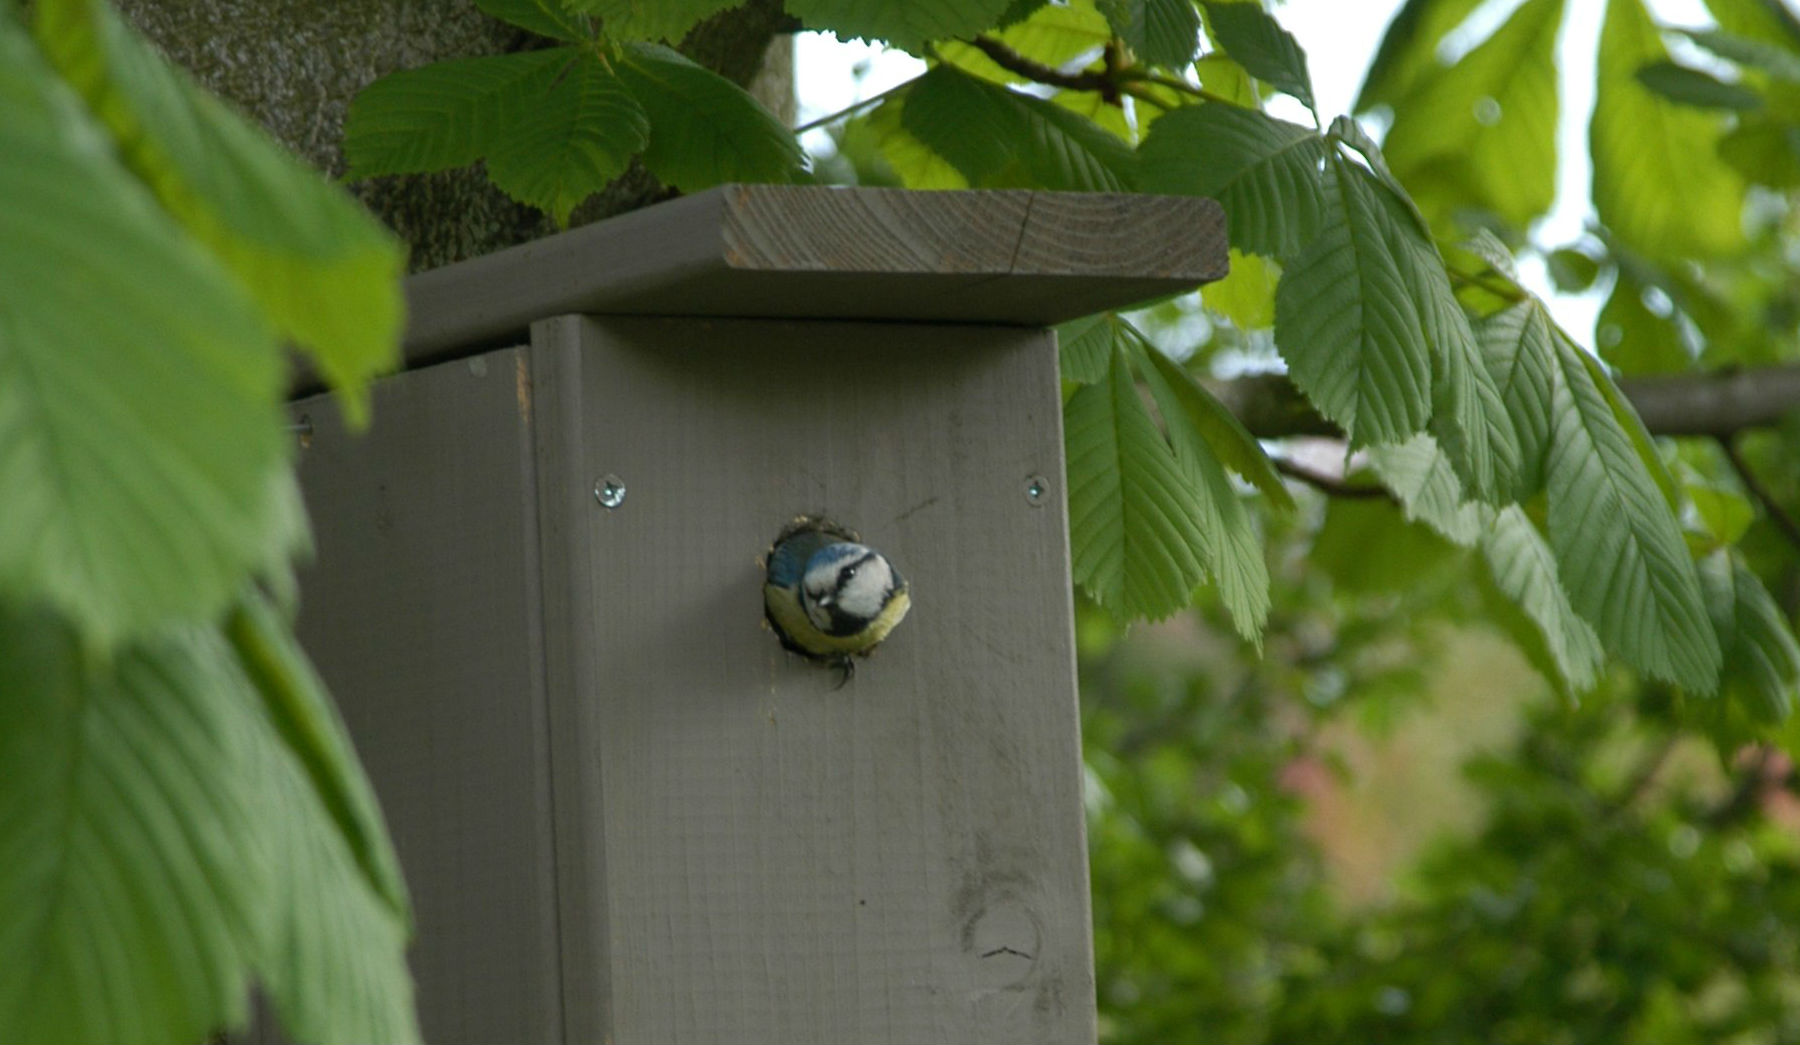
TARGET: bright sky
(1339,37)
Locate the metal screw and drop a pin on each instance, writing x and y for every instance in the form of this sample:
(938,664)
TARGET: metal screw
(1037,491)
(609,490)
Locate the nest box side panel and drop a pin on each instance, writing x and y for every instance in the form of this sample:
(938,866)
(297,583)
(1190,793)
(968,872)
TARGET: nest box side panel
(421,611)
(748,851)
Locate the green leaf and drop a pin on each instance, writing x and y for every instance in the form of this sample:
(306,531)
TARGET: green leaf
(544,17)
(1518,347)
(1052,35)
(579,133)
(913,162)
(1252,37)
(319,266)
(1632,337)
(1724,514)
(443,115)
(1685,86)
(1346,131)
(335,964)
(623,20)
(315,737)
(1409,49)
(132,866)
(1419,474)
(1659,184)
(1263,171)
(1366,547)
(1019,10)
(967,122)
(907,24)
(1617,548)
(999,138)
(1246,296)
(1468,417)
(1524,570)
(1062,150)
(1760,21)
(1347,318)
(1224,79)
(1494,253)
(704,129)
(162,847)
(1764,150)
(1571,270)
(1160,32)
(1224,434)
(1085,347)
(1762,660)
(1781,62)
(1134,540)
(1093,108)
(1482,132)
(1057,33)
(1625,416)
(1229,547)
(142,462)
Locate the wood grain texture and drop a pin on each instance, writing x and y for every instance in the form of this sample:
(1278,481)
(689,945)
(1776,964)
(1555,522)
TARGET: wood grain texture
(574,670)
(990,256)
(750,854)
(422,613)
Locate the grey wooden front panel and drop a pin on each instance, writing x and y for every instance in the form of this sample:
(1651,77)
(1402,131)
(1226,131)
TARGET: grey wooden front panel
(747,852)
(422,615)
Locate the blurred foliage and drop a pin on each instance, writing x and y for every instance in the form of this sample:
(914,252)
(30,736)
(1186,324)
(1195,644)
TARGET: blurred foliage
(1596,873)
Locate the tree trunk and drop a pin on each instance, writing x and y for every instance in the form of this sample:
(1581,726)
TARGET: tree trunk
(294,66)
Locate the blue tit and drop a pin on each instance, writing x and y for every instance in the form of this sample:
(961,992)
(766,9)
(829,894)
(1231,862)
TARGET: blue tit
(828,596)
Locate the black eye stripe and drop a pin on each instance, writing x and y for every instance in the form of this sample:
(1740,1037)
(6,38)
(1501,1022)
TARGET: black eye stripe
(848,573)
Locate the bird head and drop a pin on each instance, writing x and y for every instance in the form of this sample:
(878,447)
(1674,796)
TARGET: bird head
(846,586)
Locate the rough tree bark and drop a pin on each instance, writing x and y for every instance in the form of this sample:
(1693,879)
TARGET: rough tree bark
(294,65)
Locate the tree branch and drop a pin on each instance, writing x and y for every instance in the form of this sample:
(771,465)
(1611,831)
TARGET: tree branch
(1116,77)
(1717,405)
(1014,62)
(1330,485)
(1777,514)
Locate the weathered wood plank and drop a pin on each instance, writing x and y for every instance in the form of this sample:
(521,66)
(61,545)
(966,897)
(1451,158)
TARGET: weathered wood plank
(762,856)
(423,616)
(1012,256)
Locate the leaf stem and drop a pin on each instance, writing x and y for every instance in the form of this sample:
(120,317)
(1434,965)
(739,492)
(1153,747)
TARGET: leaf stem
(853,107)
(1177,84)
(1146,98)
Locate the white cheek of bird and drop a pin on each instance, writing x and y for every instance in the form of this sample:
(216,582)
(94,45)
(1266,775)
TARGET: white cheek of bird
(828,596)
